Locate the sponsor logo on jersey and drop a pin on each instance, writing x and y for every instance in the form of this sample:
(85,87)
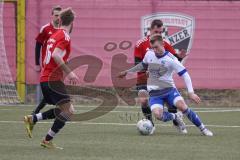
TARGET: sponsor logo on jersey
(51,40)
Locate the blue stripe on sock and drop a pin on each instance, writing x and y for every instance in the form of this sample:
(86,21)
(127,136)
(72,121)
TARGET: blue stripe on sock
(193,117)
(167,116)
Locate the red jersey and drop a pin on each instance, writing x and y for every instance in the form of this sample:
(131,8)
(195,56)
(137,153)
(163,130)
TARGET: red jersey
(45,32)
(141,48)
(51,71)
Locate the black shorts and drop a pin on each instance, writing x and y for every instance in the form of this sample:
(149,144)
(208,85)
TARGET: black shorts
(54,92)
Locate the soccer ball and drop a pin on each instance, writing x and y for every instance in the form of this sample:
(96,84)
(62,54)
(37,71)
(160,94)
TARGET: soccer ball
(144,127)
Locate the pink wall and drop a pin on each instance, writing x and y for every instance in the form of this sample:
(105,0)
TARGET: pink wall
(9,30)
(214,58)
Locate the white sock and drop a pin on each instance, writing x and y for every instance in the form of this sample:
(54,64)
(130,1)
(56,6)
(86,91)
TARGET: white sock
(174,116)
(39,116)
(201,127)
(51,133)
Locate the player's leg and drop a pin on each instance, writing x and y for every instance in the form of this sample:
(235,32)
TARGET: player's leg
(143,96)
(156,105)
(42,103)
(50,94)
(173,109)
(156,101)
(62,113)
(49,114)
(164,116)
(40,106)
(30,120)
(191,115)
(178,123)
(181,127)
(65,114)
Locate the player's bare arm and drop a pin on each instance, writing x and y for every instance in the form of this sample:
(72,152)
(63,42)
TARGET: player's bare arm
(58,59)
(188,83)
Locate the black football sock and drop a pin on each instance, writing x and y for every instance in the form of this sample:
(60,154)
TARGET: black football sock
(147,112)
(173,110)
(41,105)
(56,127)
(49,114)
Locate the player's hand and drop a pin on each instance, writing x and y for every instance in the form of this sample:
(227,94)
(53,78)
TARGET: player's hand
(122,74)
(73,78)
(182,53)
(194,97)
(37,68)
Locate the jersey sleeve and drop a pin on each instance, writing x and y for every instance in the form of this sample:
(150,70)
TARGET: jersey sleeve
(41,36)
(145,58)
(138,51)
(62,44)
(169,48)
(172,56)
(178,67)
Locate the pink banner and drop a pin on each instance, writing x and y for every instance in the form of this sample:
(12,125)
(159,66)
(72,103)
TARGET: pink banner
(9,30)
(213,61)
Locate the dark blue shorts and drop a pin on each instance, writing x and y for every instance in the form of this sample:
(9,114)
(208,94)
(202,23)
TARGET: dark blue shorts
(159,97)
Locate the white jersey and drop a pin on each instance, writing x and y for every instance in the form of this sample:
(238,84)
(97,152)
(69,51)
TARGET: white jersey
(161,70)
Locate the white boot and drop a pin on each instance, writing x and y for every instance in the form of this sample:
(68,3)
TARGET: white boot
(207,132)
(181,127)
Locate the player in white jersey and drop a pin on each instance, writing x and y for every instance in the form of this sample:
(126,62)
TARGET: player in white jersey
(161,65)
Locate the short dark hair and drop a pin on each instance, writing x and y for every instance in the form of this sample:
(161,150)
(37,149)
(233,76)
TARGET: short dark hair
(156,37)
(67,16)
(156,22)
(56,8)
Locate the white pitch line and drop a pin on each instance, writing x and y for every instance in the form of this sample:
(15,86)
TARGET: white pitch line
(205,111)
(124,111)
(138,107)
(126,107)
(217,111)
(120,124)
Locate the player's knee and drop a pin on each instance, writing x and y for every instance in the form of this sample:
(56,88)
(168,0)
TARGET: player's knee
(143,97)
(158,112)
(71,109)
(144,103)
(181,105)
(67,109)
(158,115)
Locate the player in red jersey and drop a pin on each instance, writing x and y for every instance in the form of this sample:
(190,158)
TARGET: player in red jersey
(53,88)
(41,44)
(140,50)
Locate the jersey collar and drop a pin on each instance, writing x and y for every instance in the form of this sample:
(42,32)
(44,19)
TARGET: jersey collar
(51,23)
(165,53)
